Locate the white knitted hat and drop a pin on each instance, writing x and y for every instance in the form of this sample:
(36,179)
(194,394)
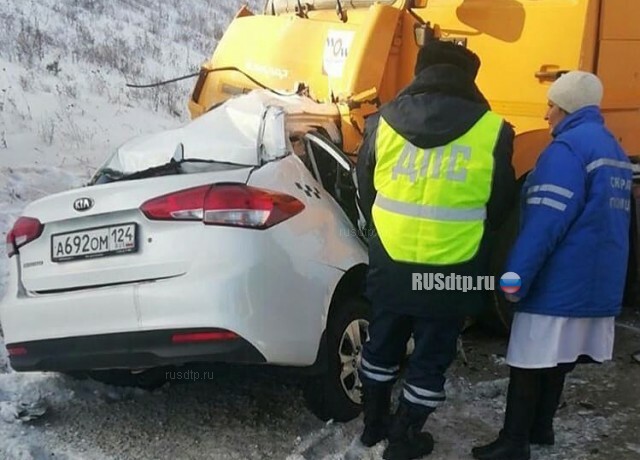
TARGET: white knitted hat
(575,90)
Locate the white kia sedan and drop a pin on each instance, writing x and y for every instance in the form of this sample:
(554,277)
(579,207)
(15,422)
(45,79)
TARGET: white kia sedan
(231,239)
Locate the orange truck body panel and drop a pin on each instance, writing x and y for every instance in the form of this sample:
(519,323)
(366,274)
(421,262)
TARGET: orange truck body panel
(366,60)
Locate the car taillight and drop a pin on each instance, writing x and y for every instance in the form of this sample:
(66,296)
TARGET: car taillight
(25,229)
(182,205)
(235,205)
(16,351)
(245,206)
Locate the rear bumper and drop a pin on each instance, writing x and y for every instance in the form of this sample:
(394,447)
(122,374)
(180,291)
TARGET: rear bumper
(132,350)
(280,312)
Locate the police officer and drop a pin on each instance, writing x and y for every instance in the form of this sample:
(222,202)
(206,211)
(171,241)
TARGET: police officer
(434,176)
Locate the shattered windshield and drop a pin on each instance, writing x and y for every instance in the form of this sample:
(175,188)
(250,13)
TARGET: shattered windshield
(244,131)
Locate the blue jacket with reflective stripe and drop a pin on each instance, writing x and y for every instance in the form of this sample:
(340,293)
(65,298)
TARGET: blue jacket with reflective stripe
(572,250)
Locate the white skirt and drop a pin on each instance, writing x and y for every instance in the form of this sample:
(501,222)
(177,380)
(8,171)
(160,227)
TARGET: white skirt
(540,341)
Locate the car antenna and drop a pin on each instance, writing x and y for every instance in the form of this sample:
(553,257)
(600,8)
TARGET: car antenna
(340,11)
(178,155)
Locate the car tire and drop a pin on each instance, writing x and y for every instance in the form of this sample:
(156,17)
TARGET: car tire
(335,395)
(148,380)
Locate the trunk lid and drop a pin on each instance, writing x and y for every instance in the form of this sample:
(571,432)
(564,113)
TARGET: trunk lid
(146,249)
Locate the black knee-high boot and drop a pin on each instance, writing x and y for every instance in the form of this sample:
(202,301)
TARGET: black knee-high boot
(551,387)
(522,399)
(376,400)
(407,441)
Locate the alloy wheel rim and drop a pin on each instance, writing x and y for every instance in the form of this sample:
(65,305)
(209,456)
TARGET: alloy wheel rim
(350,353)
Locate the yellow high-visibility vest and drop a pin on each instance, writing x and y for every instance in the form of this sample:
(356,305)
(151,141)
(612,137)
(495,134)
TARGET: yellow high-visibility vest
(430,205)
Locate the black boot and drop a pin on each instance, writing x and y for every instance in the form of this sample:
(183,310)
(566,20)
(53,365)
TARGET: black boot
(406,441)
(542,437)
(503,448)
(551,386)
(376,400)
(513,440)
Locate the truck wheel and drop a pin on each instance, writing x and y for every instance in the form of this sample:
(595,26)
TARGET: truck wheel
(336,394)
(498,318)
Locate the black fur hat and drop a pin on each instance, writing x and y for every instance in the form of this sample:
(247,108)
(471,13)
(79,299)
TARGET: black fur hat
(440,52)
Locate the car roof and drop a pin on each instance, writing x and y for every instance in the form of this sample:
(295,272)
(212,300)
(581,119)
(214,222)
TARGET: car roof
(302,114)
(245,129)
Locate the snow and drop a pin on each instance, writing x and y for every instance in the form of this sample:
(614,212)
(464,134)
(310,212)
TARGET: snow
(64,109)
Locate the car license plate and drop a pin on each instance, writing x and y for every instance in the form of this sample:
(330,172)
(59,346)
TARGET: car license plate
(94,242)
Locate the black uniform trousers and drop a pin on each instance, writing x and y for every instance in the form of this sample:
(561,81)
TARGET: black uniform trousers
(435,349)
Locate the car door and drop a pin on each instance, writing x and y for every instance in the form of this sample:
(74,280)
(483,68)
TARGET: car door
(336,172)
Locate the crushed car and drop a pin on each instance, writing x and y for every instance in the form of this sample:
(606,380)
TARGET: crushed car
(231,239)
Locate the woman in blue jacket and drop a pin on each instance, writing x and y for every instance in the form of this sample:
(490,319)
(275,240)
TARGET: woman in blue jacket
(571,256)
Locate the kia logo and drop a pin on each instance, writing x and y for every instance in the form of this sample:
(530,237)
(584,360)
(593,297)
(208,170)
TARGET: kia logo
(83,204)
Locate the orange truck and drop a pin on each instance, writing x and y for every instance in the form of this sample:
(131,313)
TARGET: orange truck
(354,55)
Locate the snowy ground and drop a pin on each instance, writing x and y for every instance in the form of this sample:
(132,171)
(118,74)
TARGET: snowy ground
(248,414)
(63,108)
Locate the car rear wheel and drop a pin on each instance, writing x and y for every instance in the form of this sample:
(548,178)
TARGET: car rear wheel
(337,393)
